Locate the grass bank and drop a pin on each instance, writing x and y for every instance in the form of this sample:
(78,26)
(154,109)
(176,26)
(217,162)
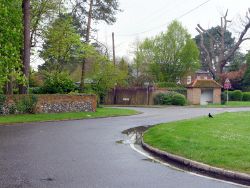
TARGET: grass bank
(222,141)
(101,112)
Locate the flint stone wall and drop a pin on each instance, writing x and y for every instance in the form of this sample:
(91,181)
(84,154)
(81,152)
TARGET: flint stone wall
(56,103)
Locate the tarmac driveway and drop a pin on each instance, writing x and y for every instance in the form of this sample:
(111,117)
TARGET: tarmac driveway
(84,153)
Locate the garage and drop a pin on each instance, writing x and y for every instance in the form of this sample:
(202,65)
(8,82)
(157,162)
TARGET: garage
(203,92)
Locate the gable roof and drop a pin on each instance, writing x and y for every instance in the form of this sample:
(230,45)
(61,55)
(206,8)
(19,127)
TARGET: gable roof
(204,84)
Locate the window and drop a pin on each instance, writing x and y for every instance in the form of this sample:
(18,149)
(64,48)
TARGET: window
(189,79)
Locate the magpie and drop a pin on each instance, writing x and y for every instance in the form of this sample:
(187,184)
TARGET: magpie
(210,116)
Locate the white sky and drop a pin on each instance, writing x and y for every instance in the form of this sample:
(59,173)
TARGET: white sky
(147,18)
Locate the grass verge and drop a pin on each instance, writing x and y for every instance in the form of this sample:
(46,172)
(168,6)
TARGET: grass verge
(223,141)
(230,104)
(100,112)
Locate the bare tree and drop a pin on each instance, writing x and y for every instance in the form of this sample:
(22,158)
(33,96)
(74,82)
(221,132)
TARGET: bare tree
(216,62)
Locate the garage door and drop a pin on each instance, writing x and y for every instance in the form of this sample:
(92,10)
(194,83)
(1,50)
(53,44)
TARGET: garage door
(206,96)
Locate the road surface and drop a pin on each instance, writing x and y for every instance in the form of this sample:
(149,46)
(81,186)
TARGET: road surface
(85,154)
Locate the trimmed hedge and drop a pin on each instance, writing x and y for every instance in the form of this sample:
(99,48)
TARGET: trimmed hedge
(170,98)
(236,95)
(246,96)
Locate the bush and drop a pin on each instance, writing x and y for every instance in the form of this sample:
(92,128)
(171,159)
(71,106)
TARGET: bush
(26,104)
(236,95)
(35,90)
(58,82)
(159,99)
(170,98)
(179,100)
(246,96)
(2,101)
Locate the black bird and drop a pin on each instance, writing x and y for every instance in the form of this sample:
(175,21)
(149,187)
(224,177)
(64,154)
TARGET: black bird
(210,116)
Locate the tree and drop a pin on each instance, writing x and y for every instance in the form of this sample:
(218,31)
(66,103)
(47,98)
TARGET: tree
(215,32)
(246,78)
(170,55)
(26,45)
(98,10)
(62,45)
(105,75)
(10,43)
(42,13)
(216,54)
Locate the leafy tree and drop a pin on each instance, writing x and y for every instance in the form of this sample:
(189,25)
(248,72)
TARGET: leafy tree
(97,10)
(62,45)
(10,43)
(237,62)
(170,55)
(105,75)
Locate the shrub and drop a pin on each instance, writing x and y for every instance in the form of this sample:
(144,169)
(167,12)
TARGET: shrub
(2,101)
(35,90)
(58,82)
(26,104)
(170,98)
(246,96)
(159,99)
(179,99)
(236,95)
(12,109)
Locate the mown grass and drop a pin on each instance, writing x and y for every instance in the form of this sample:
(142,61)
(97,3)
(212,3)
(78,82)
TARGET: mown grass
(231,104)
(101,112)
(222,141)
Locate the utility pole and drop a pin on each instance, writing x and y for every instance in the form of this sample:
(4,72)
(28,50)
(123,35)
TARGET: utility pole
(113,43)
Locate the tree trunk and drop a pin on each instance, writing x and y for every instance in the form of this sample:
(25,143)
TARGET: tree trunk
(23,89)
(87,41)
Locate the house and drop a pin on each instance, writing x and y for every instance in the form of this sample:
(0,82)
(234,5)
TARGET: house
(201,88)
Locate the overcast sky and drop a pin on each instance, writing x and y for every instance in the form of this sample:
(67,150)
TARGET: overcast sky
(147,18)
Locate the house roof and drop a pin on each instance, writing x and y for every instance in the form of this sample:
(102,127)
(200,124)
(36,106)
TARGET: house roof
(204,84)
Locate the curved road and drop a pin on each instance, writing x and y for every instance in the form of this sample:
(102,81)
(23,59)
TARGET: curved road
(84,154)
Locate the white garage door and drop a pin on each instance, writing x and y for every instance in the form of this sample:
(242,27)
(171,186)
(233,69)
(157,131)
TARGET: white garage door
(206,96)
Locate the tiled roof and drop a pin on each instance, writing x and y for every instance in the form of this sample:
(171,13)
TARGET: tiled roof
(204,84)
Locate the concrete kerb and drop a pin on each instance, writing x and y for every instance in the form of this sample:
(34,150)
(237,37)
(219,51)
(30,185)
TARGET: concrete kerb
(198,167)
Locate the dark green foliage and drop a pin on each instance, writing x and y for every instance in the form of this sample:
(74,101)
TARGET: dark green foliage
(246,78)
(166,84)
(35,90)
(246,96)
(58,82)
(179,100)
(26,104)
(2,101)
(12,109)
(159,99)
(170,98)
(236,95)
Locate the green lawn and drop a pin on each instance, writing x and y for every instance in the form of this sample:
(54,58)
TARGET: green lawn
(101,112)
(222,141)
(231,104)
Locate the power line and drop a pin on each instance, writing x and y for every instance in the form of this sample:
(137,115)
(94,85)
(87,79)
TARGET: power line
(179,17)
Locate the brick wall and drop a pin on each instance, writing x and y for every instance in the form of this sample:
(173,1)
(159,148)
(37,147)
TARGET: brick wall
(194,95)
(60,103)
(217,96)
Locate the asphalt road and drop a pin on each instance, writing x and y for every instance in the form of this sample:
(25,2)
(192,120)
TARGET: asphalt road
(84,153)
